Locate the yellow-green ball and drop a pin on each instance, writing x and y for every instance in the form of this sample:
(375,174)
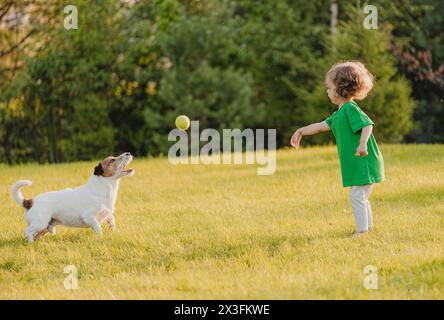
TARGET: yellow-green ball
(182,122)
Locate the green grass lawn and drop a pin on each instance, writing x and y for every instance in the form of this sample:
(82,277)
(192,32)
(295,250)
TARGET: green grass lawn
(222,232)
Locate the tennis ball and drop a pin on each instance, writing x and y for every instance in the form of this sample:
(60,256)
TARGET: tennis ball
(182,122)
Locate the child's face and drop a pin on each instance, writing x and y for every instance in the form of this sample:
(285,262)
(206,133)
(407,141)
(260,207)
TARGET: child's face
(331,93)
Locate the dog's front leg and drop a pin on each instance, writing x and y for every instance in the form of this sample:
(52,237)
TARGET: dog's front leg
(90,219)
(111,221)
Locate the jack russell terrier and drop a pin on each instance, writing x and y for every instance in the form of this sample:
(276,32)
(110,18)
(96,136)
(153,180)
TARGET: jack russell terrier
(83,207)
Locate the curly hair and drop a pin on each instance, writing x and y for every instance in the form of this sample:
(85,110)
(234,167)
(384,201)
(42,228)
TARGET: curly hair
(351,79)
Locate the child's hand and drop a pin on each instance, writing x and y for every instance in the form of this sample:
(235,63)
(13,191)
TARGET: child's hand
(361,151)
(296,139)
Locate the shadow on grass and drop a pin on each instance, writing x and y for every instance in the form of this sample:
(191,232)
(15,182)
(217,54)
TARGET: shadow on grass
(13,242)
(272,244)
(10,266)
(419,196)
(20,241)
(420,277)
(142,257)
(308,168)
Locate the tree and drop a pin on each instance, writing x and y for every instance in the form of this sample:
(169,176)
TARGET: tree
(68,79)
(21,24)
(283,43)
(419,49)
(389,104)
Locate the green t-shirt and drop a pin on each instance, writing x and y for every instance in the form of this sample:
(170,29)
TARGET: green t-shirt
(346,124)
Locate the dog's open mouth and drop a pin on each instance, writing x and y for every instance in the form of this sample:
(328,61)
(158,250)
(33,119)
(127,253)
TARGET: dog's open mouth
(125,160)
(129,170)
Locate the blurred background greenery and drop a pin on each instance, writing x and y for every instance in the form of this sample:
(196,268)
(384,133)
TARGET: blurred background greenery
(118,81)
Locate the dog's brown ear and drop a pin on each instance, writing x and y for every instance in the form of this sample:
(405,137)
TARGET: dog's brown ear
(98,170)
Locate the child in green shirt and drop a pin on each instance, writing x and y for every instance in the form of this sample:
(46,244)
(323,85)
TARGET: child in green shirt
(361,161)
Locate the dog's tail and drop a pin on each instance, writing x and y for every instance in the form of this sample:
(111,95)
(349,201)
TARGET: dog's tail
(18,196)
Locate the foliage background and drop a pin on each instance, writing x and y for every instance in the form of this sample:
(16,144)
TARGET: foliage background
(118,81)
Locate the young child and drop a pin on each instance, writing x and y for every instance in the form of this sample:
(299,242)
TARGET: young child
(361,161)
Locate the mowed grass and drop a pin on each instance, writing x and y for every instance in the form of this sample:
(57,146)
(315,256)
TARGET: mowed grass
(222,232)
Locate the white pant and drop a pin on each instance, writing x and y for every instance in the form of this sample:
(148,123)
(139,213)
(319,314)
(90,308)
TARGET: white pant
(361,206)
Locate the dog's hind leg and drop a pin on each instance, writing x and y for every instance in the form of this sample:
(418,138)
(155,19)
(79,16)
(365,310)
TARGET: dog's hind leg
(51,229)
(34,231)
(51,226)
(41,234)
(37,225)
(29,233)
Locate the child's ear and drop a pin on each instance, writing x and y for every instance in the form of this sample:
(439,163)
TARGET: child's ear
(98,170)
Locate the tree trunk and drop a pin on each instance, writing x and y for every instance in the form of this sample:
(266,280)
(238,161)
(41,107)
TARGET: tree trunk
(334,20)
(5,138)
(51,139)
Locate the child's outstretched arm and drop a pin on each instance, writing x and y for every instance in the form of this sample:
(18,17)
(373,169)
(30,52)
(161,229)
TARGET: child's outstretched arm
(361,151)
(309,130)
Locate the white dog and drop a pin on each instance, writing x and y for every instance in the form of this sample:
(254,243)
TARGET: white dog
(83,207)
